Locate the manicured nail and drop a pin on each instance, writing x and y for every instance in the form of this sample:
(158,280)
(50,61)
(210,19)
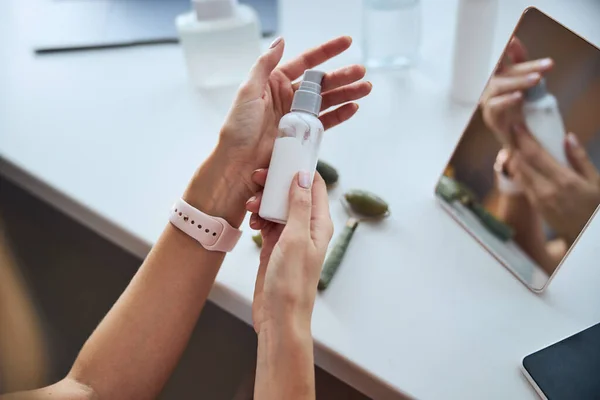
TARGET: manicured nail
(253,220)
(533,77)
(251,199)
(304,179)
(572,139)
(275,42)
(545,62)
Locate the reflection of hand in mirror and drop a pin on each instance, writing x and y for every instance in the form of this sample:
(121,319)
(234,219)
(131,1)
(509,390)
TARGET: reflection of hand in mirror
(566,197)
(501,102)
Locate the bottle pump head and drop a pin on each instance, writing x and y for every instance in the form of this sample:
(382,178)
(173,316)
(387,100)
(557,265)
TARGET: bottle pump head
(308,96)
(536,92)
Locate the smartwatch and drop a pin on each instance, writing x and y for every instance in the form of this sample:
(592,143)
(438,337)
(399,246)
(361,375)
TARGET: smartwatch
(213,233)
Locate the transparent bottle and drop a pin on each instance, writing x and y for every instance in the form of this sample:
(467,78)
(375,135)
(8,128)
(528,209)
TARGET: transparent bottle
(296,147)
(391,32)
(220,41)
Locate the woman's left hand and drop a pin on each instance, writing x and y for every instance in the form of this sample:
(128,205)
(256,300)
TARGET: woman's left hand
(566,197)
(292,255)
(248,134)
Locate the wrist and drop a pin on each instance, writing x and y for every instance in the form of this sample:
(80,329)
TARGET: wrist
(218,189)
(291,327)
(285,342)
(285,365)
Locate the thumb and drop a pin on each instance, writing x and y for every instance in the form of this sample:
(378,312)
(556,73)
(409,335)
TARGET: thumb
(262,68)
(300,204)
(579,159)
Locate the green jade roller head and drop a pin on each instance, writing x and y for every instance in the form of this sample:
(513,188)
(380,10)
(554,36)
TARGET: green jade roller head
(360,205)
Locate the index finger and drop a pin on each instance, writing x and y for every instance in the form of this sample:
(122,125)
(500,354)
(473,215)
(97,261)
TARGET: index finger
(313,57)
(540,66)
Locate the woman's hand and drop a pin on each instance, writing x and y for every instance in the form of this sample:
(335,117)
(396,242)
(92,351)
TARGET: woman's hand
(247,137)
(291,256)
(502,98)
(286,287)
(566,197)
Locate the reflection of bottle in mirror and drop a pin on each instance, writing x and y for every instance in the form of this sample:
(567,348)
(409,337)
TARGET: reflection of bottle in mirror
(220,41)
(473,46)
(296,147)
(544,121)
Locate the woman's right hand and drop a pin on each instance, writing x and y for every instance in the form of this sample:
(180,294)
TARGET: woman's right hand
(286,288)
(501,102)
(292,255)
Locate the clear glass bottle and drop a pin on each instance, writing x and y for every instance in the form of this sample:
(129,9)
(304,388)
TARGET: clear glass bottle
(296,148)
(391,32)
(220,41)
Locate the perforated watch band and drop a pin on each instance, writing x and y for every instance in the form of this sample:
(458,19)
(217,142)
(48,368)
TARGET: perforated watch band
(213,233)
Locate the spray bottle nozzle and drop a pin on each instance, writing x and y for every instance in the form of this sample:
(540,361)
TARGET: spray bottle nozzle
(536,92)
(308,96)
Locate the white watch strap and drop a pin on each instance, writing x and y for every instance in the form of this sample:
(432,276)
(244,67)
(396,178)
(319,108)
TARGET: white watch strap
(213,233)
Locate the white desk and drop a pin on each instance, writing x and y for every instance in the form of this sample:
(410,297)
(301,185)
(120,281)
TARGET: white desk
(417,304)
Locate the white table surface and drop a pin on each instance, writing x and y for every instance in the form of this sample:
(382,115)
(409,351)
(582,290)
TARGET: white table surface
(111,138)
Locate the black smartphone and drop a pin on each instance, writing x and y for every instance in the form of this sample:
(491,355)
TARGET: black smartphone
(569,369)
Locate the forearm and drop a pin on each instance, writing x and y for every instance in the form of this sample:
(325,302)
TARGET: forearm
(518,212)
(148,328)
(285,364)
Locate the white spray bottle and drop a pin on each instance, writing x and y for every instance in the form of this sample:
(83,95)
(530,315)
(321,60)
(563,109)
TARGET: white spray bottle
(543,119)
(296,147)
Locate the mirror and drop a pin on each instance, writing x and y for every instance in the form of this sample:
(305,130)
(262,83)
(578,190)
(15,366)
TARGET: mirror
(524,180)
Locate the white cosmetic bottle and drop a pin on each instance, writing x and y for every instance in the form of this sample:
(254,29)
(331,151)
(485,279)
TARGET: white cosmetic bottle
(543,119)
(296,147)
(473,46)
(220,41)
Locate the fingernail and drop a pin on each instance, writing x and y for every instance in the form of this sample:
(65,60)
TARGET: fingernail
(251,199)
(304,179)
(572,139)
(253,220)
(533,77)
(517,95)
(275,42)
(546,62)
(370,84)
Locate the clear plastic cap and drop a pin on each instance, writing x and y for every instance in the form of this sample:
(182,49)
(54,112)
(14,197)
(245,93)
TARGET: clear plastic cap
(213,9)
(536,92)
(308,96)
